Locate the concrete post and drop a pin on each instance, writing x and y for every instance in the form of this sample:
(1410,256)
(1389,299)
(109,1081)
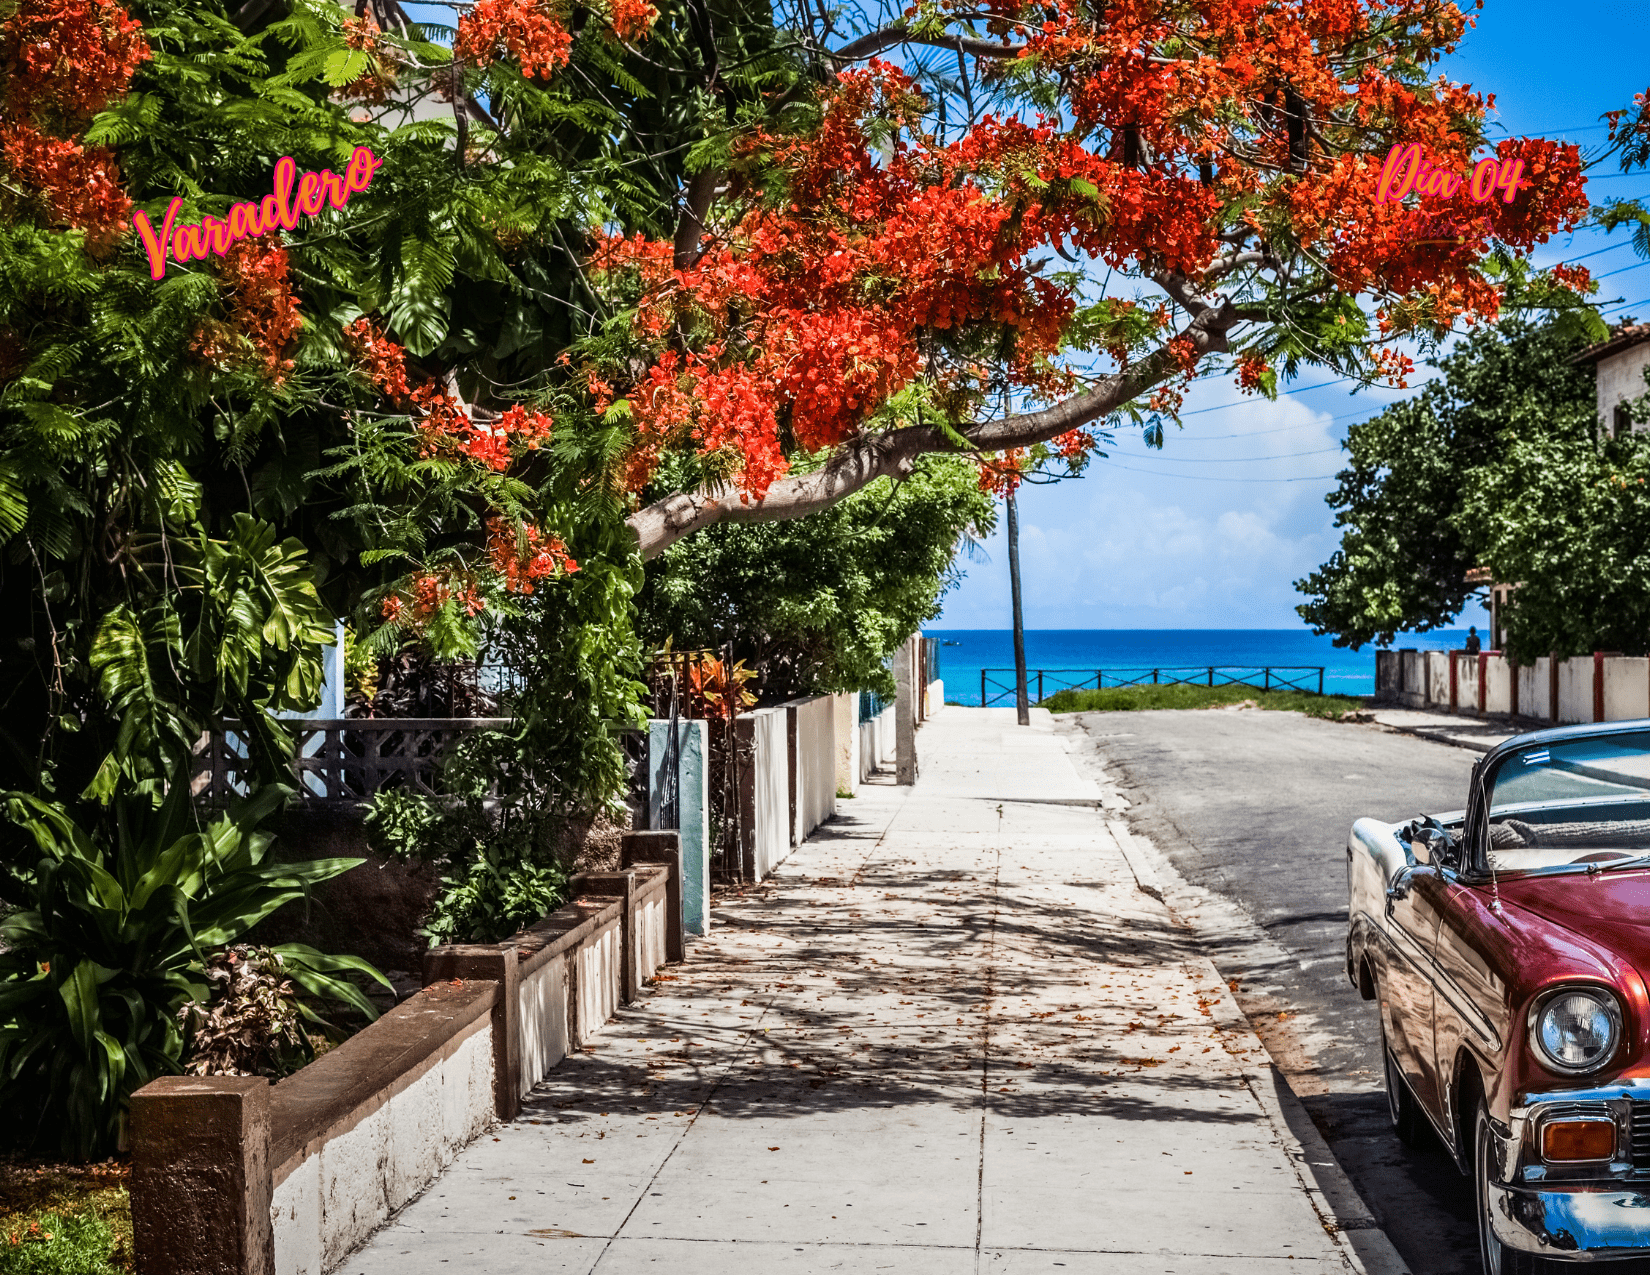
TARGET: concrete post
(663,846)
(201,1176)
(489,963)
(693,802)
(905,716)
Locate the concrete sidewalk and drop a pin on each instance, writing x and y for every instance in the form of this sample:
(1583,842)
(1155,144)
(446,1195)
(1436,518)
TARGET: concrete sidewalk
(952,1035)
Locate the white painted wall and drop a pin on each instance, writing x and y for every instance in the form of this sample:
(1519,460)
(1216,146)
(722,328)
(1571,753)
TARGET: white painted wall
(599,980)
(934,698)
(648,935)
(845,709)
(770,835)
(815,765)
(1575,689)
(1498,684)
(334,1199)
(1466,684)
(1437,678)
(1621,376)
(541,999)
(1626,688)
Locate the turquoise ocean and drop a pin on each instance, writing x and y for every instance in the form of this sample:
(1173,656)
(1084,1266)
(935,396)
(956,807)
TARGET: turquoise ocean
(964,652)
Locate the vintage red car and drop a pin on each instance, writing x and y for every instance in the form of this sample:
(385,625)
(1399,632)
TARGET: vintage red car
(1506,946)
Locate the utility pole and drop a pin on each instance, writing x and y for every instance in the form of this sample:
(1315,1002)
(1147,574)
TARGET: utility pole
(1022,706)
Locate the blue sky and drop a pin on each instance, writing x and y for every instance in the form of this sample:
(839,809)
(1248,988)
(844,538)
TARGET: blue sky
(1212,531)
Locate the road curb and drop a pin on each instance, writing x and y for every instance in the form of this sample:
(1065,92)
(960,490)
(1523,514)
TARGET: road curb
(1437,737)
(1339,1207)
(1145,876)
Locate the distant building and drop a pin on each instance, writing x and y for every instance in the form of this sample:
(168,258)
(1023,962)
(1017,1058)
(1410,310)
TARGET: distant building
(1620,363)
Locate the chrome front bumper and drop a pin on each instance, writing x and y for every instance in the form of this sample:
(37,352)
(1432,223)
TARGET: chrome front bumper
(1602,1212)
(1578,1224)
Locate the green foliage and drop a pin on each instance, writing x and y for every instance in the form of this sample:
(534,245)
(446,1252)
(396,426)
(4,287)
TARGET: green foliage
(1126,699)
(1568,518)
(518,799)
(1407,542)
(110,943)
(79,1243)
(817,605)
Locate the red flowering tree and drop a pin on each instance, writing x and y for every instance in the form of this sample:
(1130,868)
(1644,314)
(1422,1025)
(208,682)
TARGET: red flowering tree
(858,275)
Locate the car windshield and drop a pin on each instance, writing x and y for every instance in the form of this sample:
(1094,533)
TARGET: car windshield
(1575,801)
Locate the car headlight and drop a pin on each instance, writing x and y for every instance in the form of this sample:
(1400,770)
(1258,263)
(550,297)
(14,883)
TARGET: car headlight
(1577,1030)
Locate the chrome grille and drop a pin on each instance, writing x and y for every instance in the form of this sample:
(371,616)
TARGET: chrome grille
(1639,1134)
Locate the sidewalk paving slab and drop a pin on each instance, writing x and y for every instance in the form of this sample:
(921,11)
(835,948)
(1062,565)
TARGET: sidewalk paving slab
(951,1034)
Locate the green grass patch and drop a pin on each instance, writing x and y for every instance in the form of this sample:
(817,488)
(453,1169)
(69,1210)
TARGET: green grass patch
(60,1219)
(1124,699)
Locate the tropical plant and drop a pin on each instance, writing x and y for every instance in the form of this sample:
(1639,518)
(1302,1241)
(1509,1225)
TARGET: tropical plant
(112,942)
(253,1022)
(818,605)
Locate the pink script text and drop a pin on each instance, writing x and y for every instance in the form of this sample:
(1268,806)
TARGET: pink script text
(279,210)
(1407,171)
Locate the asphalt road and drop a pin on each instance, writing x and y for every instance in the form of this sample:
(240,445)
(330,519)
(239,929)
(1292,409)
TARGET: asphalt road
(1252,810)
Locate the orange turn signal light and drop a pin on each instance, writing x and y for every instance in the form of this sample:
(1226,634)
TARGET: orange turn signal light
(1578,1140)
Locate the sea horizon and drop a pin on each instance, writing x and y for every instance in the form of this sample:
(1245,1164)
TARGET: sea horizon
(965,652)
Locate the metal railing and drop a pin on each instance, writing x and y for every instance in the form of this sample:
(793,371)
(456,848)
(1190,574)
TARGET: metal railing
(997,684)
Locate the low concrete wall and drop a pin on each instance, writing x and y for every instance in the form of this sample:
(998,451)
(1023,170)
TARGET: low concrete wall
(1413,674)
(933,698)
(1626,687)
(1585,688)
(876,743)
(1575,689)
(811,742)
(233,1174)
(1498,684)
(1437,677)
(765,790)
(1466,681)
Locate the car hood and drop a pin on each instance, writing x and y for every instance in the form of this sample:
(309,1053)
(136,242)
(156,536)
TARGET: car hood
(1610,909)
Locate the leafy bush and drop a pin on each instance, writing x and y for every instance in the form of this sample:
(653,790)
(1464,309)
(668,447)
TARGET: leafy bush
(111,943)
(253,1025)
(492,884)
(58,1244)
(1114,699)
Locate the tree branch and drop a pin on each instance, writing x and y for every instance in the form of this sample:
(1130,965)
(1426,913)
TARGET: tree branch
(863,460)
(868,46)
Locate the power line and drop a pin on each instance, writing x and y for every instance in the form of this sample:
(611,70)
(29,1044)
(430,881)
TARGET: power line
(1204,478)
(1229,460)
(1639,266)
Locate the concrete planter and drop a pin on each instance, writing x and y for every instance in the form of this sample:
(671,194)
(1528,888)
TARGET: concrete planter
(233,1175)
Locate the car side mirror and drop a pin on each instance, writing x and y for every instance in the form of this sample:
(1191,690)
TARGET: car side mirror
(1442,849)
(1402,881)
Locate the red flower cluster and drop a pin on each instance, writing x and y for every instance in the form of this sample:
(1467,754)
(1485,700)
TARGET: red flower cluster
(524,30)
(430,592)
(78,187)
(375,84)
(68,58)
(61,62)
(262,310)
(444,424)
(523,555)
(865,253)
(633,19)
